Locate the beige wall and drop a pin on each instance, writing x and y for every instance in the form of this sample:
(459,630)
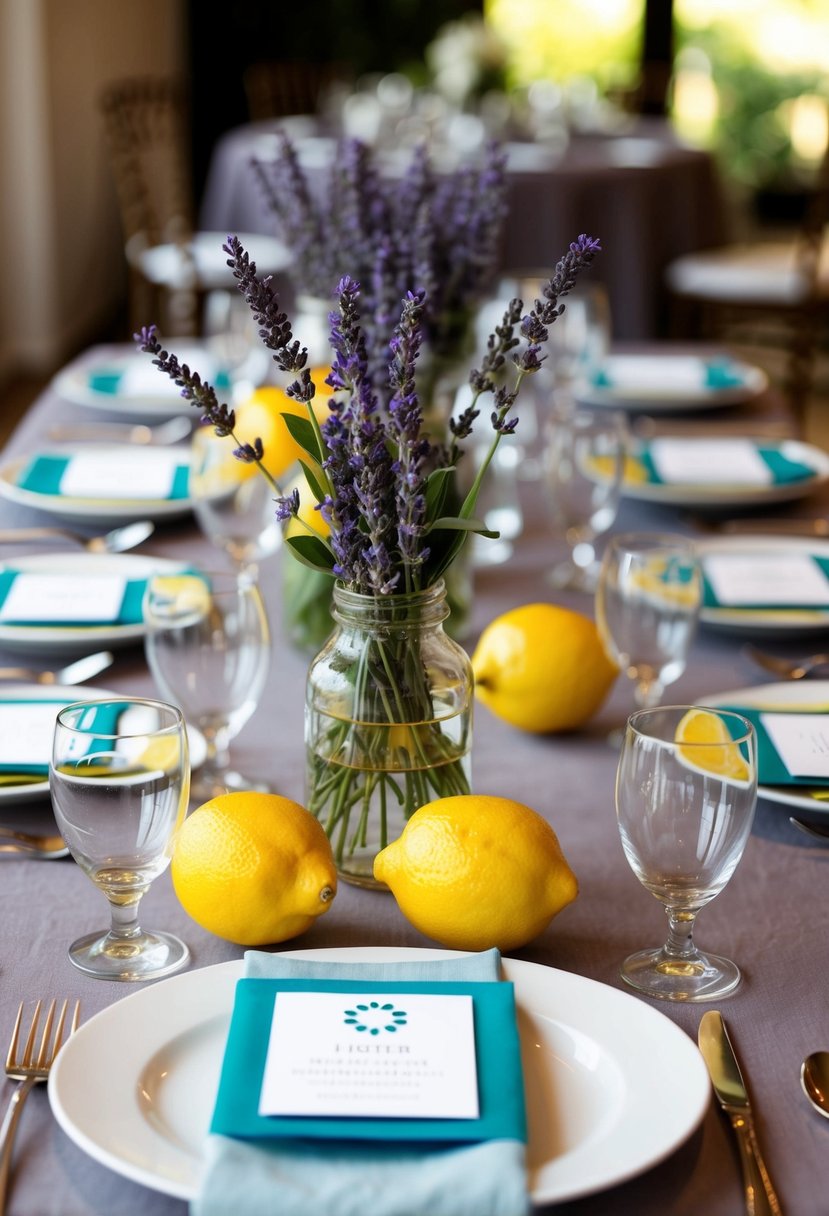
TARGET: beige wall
(63,258)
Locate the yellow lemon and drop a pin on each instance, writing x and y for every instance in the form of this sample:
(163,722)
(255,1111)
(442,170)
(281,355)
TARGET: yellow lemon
(476,871)
(634,471)
(253,868)
(542,668)
(176,594)
(710,746)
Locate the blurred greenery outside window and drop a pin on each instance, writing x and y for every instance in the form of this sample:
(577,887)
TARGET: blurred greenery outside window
(751,77)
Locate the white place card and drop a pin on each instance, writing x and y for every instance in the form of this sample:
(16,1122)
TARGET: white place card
(767,579)
(40,598)
(710,461)
(405,1055)
(142,378)
(801,742)
(107,473)
(26,733)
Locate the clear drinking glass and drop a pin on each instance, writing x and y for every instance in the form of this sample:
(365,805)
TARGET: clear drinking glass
(208,647)
(584,460)
(232,501)
(684,812)
(119,781)
(647,607)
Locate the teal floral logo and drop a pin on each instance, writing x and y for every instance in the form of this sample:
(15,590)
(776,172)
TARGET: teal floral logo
(374,1018)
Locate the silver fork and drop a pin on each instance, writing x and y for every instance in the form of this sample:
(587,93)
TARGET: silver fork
(29,1068)
(788,669)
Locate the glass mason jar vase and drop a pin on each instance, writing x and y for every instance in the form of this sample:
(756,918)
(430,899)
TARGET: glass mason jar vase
(388,722)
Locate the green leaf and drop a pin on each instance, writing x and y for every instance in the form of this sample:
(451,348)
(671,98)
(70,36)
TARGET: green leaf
(315,485)
(451,523)
(437,486)
(302,430)
(311,551)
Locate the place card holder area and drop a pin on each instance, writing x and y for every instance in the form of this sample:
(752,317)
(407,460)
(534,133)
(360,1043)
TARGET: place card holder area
(783,470)
(44,474)
(129,612)
(31,728)
(498,1066)
(710,598)
(771,768)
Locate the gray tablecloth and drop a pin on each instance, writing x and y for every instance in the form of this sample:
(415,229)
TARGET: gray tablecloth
(648,196)
(771,917)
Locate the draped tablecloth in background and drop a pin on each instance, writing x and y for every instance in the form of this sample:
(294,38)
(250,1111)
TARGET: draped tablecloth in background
(771,918)
(648,196)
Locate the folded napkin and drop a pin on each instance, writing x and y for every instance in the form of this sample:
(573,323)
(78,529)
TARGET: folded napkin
(759,581)
(131,474)
(719,462)
(304,1177)
(51,599)
(646,376)
(771,767)
(141,378)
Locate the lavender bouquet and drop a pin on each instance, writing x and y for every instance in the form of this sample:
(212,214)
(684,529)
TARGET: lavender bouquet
(388,713)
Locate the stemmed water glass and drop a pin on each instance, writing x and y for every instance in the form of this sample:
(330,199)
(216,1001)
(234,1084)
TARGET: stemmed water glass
(584,460)
(119,781)
(685,802)
(232,502)
(208,647)
(647,606)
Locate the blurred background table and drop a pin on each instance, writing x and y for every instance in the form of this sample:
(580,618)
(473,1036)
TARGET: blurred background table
(648,196)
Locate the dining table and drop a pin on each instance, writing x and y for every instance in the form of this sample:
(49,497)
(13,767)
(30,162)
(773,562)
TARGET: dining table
(650,195)
(771,917)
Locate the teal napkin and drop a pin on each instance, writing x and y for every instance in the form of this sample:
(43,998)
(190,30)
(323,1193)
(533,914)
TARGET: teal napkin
(717,374)
(709,597)
(109,380)
(305,1177)
(770,768)
(130,612)
(43,474)
(783,470)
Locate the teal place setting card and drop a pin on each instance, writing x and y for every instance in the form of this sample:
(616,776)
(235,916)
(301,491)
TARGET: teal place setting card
(792,745)
(134,474)
(26,729)
(53,599)
(372,1047)
(765,581)
(668,461)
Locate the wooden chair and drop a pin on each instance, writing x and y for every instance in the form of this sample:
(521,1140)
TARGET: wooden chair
(276,88)
(785,282)
(172,266)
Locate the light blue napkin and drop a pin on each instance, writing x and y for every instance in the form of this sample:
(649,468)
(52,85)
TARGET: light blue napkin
(310,1178)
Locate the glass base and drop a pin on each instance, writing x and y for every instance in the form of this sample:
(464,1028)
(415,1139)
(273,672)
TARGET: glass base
(567,576)
(700,977)
(147,956)
(210,783)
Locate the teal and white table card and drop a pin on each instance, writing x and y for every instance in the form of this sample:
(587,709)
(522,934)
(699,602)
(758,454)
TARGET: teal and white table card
(110,473)
(792,745)
(703,461)
(45,598)
(371,1054)
(765,580)
(26,729)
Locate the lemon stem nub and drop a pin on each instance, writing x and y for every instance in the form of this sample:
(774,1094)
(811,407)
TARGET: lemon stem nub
(326,894)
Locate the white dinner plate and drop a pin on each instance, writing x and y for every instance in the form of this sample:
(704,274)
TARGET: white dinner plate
(99,512)
(81,639)
(792,694)
(665,383)
(782,622)
(715,495)
(66,694)
(135,1086)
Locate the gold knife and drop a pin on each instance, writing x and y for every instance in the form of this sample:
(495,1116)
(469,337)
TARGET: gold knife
(732,1096)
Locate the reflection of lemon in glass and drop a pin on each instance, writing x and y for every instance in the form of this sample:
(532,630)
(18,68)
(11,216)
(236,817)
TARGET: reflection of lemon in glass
(709,745)
(633,471)
(161,754)
(475,871)
(181,593)
(660,578)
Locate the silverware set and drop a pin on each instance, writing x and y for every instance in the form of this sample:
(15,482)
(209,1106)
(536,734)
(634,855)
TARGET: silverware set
(119,540)
(116,432)
(789,669)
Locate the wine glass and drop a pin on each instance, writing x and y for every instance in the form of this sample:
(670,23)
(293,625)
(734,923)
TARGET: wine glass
(647,606)
(119,781)
(684,811)
(580,338)
(584,461)
(233,503)
(208,647)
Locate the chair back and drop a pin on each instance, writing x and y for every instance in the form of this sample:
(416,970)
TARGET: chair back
(147,127)
(275,88)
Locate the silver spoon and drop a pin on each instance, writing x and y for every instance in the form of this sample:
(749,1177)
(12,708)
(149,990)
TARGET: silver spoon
(788,669)
(814,1078)
(109,432)
(75,673)
(119,540)
(44,847)
(810,829)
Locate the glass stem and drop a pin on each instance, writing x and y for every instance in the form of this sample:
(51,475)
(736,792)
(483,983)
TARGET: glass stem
(680,943)
(124,920)
(647,693)
(218,749)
